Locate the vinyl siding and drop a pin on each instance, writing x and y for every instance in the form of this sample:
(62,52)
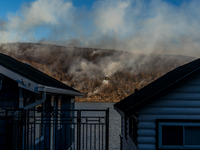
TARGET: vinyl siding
(182,103)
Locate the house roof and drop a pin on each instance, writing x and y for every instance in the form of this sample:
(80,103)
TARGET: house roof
(32,73)
(144,95)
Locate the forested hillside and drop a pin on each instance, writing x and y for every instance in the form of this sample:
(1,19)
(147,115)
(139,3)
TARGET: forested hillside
(102,75)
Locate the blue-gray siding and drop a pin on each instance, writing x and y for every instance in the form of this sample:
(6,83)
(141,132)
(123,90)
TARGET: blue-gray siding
(182,103)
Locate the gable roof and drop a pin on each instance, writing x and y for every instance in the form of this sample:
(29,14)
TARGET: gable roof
(32,73)
(154,88)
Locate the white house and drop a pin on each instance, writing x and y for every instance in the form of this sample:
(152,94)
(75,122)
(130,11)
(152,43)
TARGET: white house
(164,114)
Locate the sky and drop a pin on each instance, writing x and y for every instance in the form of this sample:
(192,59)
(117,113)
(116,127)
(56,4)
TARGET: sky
(170,26)
(12,6)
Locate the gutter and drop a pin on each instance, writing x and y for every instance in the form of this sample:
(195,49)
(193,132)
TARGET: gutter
(37,103)
(34,104)
(49,89)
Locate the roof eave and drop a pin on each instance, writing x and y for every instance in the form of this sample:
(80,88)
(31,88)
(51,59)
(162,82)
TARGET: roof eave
(33,86)
(134,107)
(55,90)
(119,111)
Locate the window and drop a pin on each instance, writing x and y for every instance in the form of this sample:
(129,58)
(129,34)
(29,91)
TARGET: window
(172,135)
(178,134)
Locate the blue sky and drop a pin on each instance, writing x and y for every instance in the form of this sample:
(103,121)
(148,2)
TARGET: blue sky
(171,26)
(7,6)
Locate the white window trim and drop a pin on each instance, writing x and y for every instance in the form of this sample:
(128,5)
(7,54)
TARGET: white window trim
(184,124)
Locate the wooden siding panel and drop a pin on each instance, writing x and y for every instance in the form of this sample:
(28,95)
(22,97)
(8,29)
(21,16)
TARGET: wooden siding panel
(146,125)
(195,81)
(187,89)
(176,104)
(148,119)
(146,147)
(170,111)
(182,103)
(181,96)
(146,133)
(146,140)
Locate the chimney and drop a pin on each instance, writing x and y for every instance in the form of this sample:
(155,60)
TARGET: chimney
(136,94)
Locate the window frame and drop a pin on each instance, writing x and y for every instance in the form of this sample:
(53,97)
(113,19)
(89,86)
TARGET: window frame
(166,122)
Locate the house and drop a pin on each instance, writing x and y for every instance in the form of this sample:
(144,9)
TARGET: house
(30,103)
(164,114)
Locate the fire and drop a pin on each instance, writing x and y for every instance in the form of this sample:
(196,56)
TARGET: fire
(105,82)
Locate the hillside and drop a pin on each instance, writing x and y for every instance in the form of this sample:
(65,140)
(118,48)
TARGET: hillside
(102,75)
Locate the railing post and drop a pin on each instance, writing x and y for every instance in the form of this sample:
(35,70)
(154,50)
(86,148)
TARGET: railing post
(78,129)
(120,141)
(21,129)
(6,130)
(107,129)
(24,130)
(28,134)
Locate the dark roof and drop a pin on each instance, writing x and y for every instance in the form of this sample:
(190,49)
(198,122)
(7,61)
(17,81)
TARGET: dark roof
(171,78)
(31,73)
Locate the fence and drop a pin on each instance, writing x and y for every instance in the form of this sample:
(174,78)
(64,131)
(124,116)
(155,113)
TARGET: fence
(55,130)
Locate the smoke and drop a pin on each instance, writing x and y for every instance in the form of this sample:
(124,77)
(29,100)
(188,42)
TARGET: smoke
(153,26)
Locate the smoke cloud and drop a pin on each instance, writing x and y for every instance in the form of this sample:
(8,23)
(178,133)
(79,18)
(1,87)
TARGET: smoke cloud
(153,26)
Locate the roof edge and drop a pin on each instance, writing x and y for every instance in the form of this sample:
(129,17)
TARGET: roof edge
(50,89)
(119,111)
(154,94)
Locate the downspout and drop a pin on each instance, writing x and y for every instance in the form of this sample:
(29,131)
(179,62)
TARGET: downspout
(1,79)
(38,102)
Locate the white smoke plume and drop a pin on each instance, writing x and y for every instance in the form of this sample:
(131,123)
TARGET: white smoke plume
(134,25)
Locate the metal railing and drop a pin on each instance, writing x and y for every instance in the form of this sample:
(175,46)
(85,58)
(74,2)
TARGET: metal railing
(56,130)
